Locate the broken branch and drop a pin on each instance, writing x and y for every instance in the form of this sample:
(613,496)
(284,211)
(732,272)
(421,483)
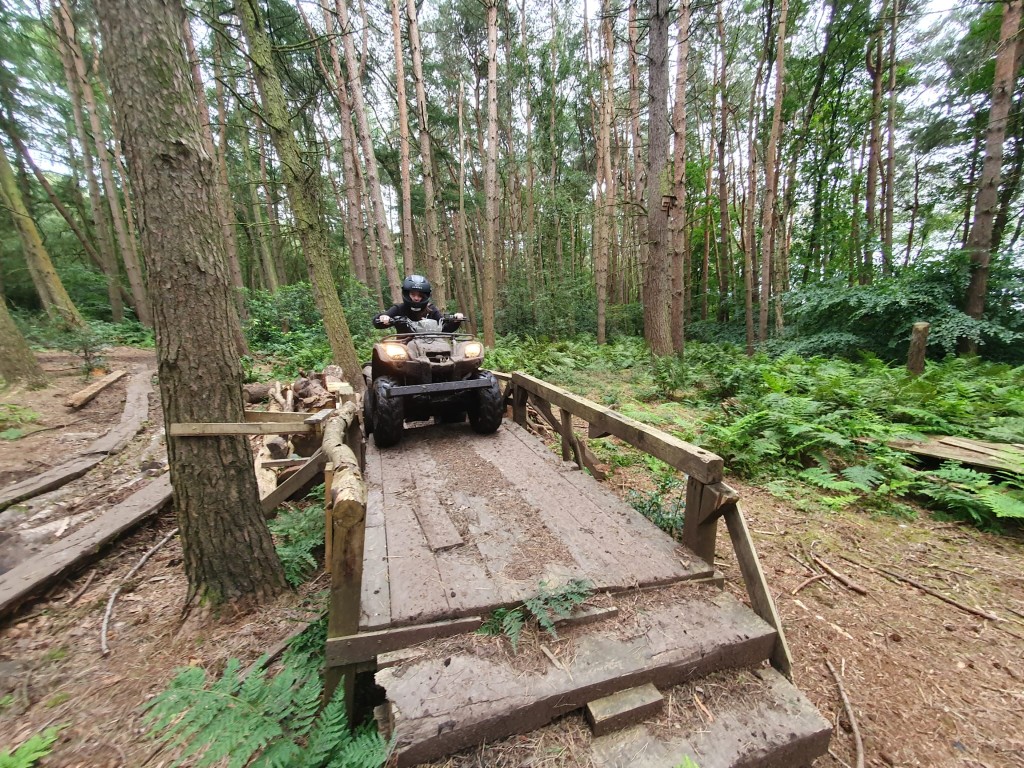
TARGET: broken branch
(845,581)
(858,742)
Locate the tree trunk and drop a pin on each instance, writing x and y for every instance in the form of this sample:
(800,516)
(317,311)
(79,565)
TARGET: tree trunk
(74,73)
(491,177)
(723,188)
(350,169)
(890,133)
(434,268)
(771,182)
(17,363)
(605,196)
(408,263)
(979,242)
(227,558)
(874,67)
(51,290)
(656,300)
(355,93)
(680,248)
(304,192)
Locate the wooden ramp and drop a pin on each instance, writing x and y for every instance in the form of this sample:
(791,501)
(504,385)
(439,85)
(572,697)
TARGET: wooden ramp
(977,453)
(458,524)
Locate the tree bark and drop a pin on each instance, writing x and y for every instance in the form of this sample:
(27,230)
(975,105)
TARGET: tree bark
(979,242)
(874,67)
(408,262)
(723,187)
(656,300)
(491,177)
(605,197)
(17,363)
(680,248)
(54,297)
(228,558)
(434,267)
(355,93)
(304,192)
(771,182)
(890,161)
(74,73)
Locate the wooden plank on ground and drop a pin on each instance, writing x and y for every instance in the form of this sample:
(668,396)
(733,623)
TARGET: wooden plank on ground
(63,556)
(214,428)
(935,449)
(440,532)
(365,645)
(695,461)
(451,702)
(133,417)
(623,528)
(594,525)
(295,483)
(86,395)
(417,592)
(54,477)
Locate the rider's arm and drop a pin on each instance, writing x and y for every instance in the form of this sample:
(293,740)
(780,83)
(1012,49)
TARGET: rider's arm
(392,312)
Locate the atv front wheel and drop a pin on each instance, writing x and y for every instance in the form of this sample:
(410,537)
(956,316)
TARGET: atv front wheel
(368,411)
(388,414)
(486,417)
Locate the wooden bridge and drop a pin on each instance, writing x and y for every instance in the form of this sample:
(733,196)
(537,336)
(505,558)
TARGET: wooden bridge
(426,539)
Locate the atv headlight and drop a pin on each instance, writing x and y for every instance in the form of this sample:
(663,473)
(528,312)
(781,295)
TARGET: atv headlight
(396,351)
(473,349)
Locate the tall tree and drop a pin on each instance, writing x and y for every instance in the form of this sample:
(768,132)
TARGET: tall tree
(408,259)
(433,258)
(979,242)
(227,558)
(355,94)
(680,248)
(304,188)
(656,297)
(52,294)
(490,259)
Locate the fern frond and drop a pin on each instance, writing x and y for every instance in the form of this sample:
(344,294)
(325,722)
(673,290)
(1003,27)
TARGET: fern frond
(33,749)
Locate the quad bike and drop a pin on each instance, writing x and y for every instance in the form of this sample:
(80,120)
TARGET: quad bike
(427,373)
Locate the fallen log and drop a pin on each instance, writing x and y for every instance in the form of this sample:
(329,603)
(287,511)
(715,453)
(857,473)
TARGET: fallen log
(86,395)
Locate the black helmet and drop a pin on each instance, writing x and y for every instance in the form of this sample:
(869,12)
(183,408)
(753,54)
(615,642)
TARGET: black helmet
(416,283)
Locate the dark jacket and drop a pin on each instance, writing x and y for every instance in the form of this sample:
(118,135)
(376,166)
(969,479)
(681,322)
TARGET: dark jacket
(430,312)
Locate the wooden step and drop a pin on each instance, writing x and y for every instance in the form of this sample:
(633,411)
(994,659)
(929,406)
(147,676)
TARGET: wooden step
(628,707)
(762,721)
(444,704)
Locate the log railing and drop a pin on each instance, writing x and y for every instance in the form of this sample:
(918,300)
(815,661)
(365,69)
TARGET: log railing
(707,497)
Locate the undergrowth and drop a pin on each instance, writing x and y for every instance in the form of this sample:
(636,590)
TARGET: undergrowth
(544,608)
(13,419)
(262,719)
(298,533)
(665,506)
(34,749)
(826,425)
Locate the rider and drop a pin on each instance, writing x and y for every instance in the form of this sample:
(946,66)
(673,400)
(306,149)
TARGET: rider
(416,306)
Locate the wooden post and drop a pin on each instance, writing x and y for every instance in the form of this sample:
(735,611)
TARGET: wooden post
(519,396)
(918,346)
(565,427)
(698,534)
(328,528)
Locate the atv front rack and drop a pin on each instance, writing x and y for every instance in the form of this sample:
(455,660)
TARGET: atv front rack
(444,386)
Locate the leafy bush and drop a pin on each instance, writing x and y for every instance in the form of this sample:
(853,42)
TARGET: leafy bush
(665,506)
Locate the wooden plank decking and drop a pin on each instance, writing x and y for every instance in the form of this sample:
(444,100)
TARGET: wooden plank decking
(460,523)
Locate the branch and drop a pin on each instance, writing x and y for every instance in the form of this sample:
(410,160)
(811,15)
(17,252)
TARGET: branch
(858,742)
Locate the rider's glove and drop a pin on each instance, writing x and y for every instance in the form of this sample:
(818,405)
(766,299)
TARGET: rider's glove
(459,316)
(384,319)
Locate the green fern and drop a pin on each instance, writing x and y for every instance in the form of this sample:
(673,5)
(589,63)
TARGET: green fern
(545,607)
(35,748)
(259,721)
(298,532)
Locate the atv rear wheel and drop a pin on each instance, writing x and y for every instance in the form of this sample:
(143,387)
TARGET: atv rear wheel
(486,417)
(388,414)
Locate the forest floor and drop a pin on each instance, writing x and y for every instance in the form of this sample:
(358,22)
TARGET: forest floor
(931,684)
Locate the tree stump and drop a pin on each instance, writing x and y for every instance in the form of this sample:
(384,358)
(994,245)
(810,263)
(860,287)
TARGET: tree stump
(918,345)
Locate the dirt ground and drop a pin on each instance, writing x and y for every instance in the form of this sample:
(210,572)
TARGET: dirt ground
(931,684)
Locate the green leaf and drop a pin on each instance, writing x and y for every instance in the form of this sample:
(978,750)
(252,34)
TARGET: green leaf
(12,434)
